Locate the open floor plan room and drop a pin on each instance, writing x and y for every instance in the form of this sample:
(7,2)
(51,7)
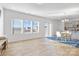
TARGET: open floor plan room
(45,29)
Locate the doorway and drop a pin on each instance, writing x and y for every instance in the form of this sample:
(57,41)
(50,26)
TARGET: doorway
(47,27)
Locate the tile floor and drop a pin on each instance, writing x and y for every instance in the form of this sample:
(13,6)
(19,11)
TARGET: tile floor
(40,47)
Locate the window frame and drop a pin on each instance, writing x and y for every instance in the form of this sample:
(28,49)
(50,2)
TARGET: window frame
(37,25)
(22,27)
(12,26)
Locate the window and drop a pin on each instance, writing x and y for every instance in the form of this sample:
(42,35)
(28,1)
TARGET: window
(23,26)
(16,26)
(27,25)
(35,26)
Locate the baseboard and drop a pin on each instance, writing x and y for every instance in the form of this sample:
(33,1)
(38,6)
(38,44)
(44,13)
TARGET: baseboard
(25,40)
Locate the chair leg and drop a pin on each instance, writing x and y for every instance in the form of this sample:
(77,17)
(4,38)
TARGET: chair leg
(4,48)
(1,53)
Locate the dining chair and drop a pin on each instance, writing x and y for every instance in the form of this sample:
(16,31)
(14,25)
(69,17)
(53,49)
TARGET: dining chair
(58,34)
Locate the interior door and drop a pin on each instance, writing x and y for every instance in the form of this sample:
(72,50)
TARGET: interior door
(46,26)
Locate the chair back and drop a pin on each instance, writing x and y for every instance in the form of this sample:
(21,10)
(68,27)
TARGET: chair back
(58,34)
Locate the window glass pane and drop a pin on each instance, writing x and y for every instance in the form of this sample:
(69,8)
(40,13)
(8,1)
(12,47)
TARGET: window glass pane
(35,26)
(27,26)
(16,26)
(19,26)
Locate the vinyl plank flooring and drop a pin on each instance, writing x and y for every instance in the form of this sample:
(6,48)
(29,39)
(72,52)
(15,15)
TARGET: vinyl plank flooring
(40,47)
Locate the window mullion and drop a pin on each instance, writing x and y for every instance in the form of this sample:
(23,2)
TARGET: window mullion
(31,27)
(22,29)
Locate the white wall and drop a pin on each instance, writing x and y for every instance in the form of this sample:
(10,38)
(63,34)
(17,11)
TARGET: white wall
(10,15)
(1,22)
(57,25)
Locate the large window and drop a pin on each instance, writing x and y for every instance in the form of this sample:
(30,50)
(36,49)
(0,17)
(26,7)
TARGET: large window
(27,25)
(24,26)
(35,26)
(16,26)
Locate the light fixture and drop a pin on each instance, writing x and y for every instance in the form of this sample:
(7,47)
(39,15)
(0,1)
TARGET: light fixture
(66,19)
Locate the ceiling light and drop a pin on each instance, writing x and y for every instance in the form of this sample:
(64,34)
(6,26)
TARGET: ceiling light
(66,20)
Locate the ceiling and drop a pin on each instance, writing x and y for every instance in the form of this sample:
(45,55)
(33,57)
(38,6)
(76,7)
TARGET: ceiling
(50,10)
